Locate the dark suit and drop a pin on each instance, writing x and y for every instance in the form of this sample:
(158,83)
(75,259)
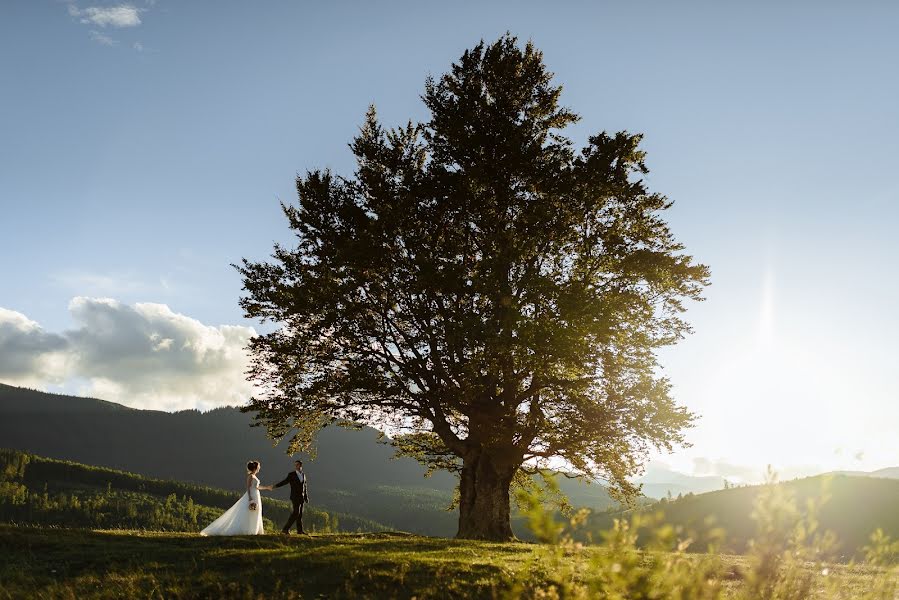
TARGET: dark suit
(298,497)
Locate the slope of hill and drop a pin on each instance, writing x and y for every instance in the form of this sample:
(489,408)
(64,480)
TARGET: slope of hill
(351,473)
(854,508)
(888,473)
(40,491)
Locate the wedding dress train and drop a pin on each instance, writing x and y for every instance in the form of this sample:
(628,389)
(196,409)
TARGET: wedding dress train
(239,519)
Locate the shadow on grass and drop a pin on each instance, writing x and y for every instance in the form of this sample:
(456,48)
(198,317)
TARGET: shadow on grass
(65,562)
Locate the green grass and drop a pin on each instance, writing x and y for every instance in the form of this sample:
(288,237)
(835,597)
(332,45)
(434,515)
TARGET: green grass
(69,563)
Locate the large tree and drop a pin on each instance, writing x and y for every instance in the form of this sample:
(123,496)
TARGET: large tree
(490,295)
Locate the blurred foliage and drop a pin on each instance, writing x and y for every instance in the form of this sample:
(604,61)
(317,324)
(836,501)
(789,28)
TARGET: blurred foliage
(855,507)
(789,558)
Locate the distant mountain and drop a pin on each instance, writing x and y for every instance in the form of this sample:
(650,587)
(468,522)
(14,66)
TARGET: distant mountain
(352,473)
(211,448)
(659,482)
(856,507)
(43,491)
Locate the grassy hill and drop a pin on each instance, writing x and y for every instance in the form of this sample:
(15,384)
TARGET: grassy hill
(41,491)
(352,473)
(888,473)
(855,506)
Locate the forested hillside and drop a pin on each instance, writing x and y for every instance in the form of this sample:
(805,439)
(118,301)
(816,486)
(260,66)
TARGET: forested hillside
(41,491)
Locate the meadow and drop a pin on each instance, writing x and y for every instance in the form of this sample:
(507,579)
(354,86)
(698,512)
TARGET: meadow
(68,563)
(60,563)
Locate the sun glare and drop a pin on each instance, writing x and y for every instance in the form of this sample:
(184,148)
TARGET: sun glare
(766,325)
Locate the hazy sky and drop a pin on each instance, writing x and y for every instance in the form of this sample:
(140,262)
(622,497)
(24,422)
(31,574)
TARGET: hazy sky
(144,146)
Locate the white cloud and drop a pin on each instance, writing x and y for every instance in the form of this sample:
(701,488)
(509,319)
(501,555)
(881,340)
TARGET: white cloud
(123,15)
(118,16)
(102,39)
(142,355)
(28,354)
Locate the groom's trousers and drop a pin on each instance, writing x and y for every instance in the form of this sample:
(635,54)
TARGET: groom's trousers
(296,516)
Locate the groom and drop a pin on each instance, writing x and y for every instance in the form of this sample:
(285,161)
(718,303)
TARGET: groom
(297,481)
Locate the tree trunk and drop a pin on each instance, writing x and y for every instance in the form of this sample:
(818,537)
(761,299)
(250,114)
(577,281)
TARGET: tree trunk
(484,499)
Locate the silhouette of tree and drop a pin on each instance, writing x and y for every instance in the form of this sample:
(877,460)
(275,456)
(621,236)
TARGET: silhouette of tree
(481,288)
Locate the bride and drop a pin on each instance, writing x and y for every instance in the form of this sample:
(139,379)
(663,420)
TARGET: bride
(245,517)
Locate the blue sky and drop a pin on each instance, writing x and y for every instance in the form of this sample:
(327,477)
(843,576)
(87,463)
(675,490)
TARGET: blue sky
(145,146)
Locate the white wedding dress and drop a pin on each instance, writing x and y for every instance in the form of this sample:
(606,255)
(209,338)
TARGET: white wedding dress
(239,519)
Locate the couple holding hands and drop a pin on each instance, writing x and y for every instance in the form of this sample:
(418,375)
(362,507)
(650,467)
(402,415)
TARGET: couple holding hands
(245,517)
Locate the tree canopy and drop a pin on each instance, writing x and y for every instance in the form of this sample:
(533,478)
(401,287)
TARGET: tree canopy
(482,288)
